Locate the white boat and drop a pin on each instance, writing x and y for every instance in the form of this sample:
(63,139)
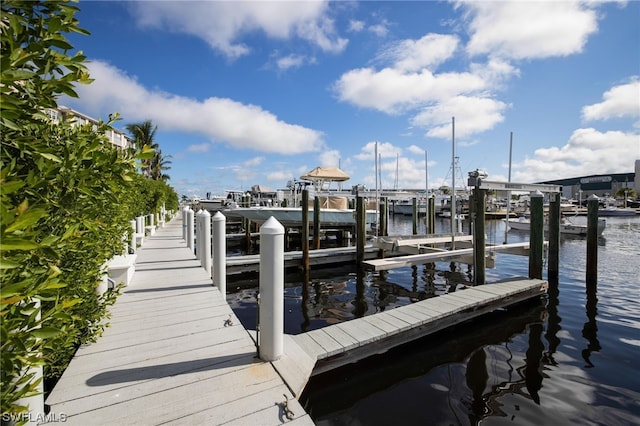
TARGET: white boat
(292,216)
(616,211)
(566,226)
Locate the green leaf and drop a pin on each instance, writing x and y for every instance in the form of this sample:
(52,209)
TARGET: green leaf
(9,243)
(51,157)
(26,219)
(46,332)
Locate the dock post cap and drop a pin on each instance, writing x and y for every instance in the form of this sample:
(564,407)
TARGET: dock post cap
(219,216)
(272,227)
(205,213)
(536,193)
(593,197)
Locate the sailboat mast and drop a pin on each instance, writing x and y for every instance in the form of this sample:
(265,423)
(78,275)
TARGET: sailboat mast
(453,182)
(506,227)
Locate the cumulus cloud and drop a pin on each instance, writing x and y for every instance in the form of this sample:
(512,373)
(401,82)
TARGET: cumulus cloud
(529,29)
(588,151)
(473,115)
(222,24)
(619,101)
(427,52)
(222,120)
(201,147)
(330,158)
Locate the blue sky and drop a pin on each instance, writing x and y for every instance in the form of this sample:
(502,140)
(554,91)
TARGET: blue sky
(261,92)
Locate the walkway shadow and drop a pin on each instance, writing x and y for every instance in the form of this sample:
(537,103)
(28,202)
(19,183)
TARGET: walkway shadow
(171,288)
(171,369)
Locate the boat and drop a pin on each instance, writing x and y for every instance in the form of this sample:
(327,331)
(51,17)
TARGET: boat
(292,216)
(566,226)
(616,211)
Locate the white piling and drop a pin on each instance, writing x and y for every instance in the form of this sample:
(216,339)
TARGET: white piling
(198,231)
(271,290)
(190,230)
(219,270)
(132,235)
(184,222)
(205,258)
(140,225)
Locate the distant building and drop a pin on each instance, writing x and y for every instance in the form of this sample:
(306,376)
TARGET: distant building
(601,185)
(115,136)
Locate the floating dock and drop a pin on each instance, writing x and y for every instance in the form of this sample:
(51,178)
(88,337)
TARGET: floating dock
(175,353)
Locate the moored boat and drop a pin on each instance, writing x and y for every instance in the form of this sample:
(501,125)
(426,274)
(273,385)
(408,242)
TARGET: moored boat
(566,226)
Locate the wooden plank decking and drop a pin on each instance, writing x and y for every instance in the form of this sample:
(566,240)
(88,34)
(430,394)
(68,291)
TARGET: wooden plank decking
(168,357)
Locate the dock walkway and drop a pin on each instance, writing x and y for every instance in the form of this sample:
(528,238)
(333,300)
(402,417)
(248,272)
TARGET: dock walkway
(174,353)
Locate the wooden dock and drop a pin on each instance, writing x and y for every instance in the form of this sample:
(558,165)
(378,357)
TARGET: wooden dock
(293,259)
(321,350)
(170,355)
(175,353)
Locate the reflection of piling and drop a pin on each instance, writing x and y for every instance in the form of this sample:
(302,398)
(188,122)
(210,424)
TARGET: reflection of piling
(304,232)
(536,236)
(592,239)
(479,261)
(271,336)
(553,268)
(360,229)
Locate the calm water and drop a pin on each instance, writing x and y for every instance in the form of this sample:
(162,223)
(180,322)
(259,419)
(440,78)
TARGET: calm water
(573,358)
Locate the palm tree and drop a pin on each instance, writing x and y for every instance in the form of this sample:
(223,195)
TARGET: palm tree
(159,163)
(143,134)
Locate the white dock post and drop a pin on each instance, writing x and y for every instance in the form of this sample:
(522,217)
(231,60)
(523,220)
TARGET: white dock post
(132,239)
(140,225)
(271,335)
(185,209)
(198,242)
(205,233)
(190,230)
(219,270)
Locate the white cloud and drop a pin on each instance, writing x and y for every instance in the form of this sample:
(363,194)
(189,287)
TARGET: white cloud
(528,29)
(588,152)
(220,119)
(292,61)
(427,52)
(356,26)
(222,24)
(385,150)
(330,158)
(619,101)
(472,115)
(201,147)
(381,29)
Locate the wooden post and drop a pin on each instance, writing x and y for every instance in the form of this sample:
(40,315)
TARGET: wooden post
(316,223)
(553,268)
(431,214)
(414,215)
(536,235)
(592,239)
(304,232)
(271,336)
(479,243)
(384,216)
(361,212)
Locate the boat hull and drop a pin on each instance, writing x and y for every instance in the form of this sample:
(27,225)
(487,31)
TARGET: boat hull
(565,227)
(292,217)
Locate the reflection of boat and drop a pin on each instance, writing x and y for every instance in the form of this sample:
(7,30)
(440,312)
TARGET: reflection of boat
(566,226)
(292,216)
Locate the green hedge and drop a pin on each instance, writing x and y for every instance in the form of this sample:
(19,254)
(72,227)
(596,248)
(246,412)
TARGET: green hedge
(66,200)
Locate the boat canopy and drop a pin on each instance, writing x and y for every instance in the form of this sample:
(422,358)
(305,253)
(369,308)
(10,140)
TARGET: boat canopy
(333,174)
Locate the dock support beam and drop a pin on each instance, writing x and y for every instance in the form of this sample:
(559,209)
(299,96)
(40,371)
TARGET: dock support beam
(271,315)
(219,251)
(361,213)
(553,269)
(431,215)
(479,243)
(536,235)
(316,223)
(304,232)
(592,239)
(414,215)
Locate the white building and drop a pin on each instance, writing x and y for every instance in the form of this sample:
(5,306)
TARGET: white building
(115,136)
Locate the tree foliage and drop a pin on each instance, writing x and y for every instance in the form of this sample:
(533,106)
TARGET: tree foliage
(67,196)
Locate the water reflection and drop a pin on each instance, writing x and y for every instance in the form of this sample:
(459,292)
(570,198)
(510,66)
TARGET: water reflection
(590,328)
(553,322)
